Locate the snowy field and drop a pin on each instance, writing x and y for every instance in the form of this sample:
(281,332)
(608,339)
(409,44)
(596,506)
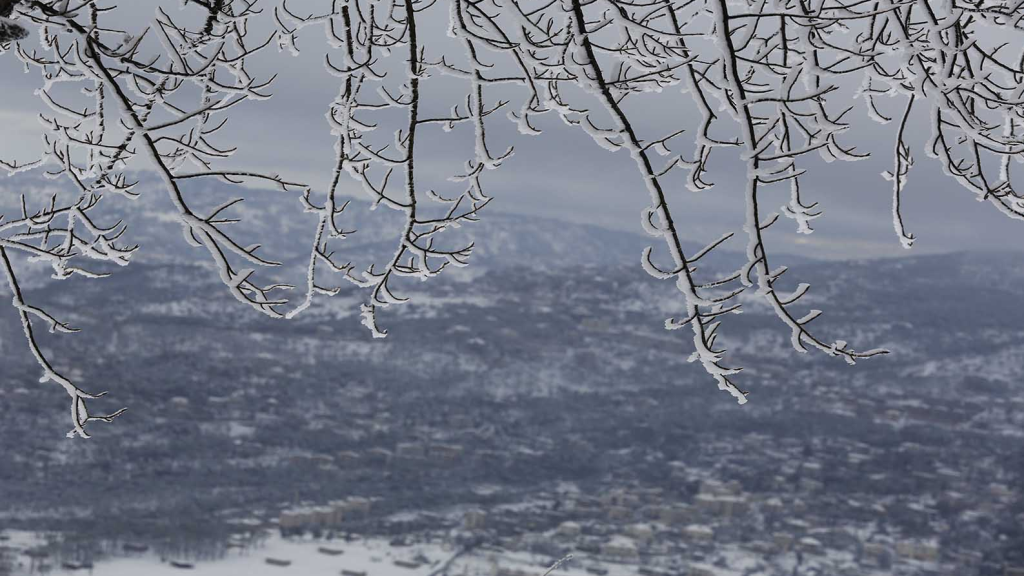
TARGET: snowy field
(377,557)
(374,557)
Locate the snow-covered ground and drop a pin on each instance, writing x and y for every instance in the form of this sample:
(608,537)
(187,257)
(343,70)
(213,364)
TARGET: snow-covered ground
(375,557)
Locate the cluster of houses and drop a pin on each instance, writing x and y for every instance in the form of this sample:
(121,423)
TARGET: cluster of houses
(334,514)
(880,506)
(632,526)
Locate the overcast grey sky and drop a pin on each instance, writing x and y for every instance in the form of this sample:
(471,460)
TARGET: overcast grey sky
(563,174)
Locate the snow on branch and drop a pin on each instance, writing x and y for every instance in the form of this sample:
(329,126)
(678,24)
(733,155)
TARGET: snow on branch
(757,76)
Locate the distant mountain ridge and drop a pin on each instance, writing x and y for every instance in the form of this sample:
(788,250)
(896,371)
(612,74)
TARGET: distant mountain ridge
(275,219)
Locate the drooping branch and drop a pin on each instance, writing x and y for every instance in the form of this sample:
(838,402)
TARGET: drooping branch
(79,411)
(761,76)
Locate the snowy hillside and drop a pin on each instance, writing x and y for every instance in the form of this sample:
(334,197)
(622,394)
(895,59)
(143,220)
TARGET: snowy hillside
(500,383)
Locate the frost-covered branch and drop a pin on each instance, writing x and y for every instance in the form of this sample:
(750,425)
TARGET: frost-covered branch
(160,111)
(762,77)
(366,33)
(29,315)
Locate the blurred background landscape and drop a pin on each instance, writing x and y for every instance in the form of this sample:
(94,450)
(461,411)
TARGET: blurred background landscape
(524,408)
